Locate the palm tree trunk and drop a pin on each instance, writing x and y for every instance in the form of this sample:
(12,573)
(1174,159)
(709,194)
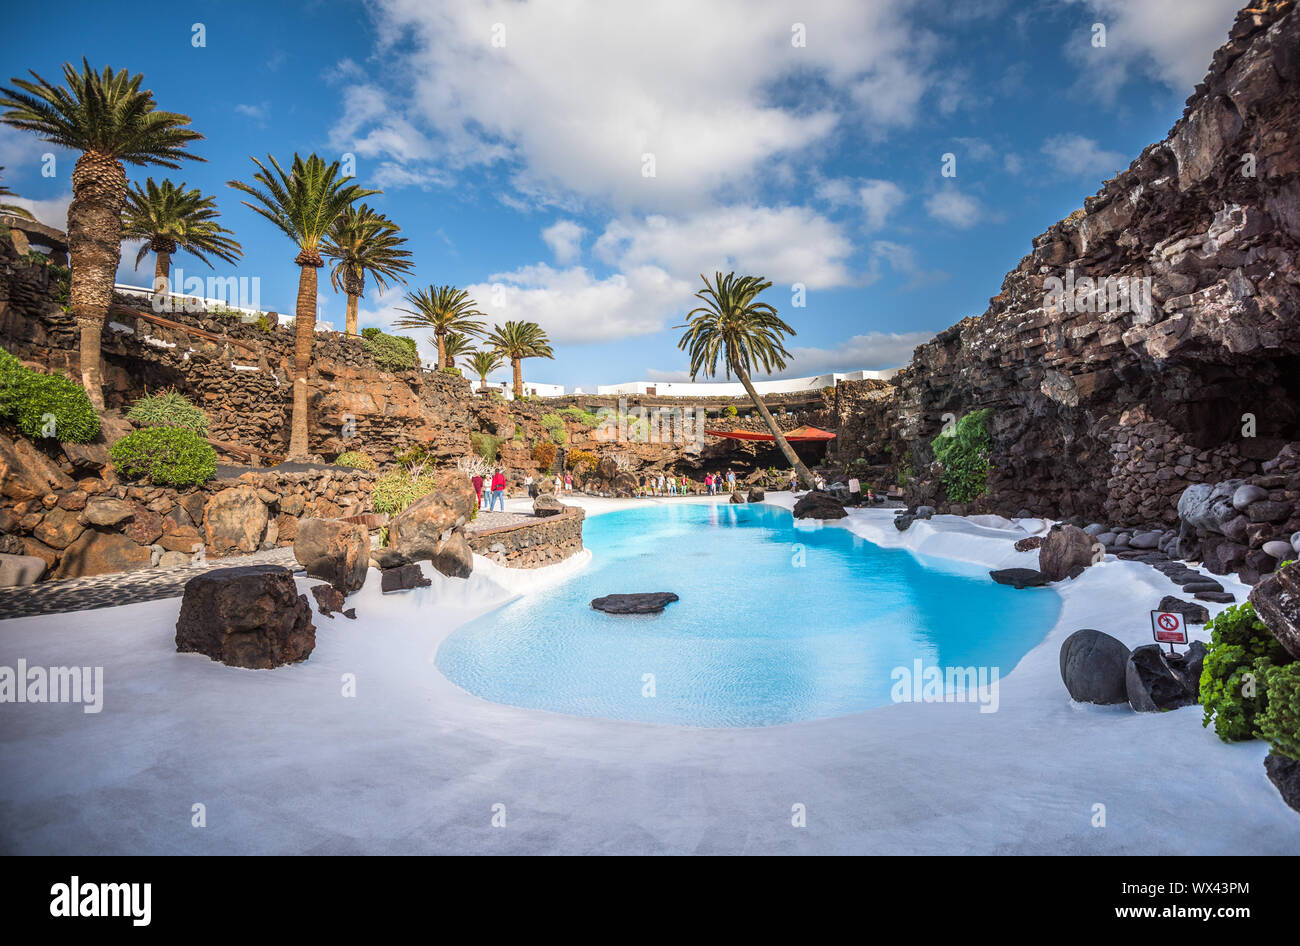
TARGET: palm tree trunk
(352,314)
(162,272)
(517,366)
(95,248)
(304,335)
(805,477)
(442,349)
(482,383)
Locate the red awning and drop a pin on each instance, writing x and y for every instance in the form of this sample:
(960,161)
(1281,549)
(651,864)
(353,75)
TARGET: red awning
(799,434)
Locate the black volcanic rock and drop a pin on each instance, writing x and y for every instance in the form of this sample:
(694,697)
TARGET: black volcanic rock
(649,602)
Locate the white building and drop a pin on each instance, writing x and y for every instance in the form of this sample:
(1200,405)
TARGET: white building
(736,389)
(531,389)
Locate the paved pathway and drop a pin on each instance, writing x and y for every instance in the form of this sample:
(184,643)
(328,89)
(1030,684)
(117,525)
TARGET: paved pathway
(109,591)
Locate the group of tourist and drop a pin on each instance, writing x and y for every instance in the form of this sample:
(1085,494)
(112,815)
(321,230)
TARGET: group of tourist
(495,482)
(712,481)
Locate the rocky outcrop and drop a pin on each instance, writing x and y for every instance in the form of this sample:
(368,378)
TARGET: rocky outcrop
(335,551)
(1066,551)
(1277,602)
(1019,577)
(251,617)
(1103,405)
(420,532)
(817,505)
(547,505)
(1153,684)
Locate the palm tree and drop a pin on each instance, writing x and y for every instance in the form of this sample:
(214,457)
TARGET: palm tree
(443,309)
(454,344)
(364,241)
(304,203)
(483,362)
(110,120)
(517,341)
(169,218)
(745,334)
(12,209)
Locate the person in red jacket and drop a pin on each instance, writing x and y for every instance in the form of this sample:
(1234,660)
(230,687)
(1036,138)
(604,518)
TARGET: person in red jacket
(477,480)
(498,490)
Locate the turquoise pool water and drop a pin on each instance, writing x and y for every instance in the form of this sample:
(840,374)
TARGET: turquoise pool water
(775,623)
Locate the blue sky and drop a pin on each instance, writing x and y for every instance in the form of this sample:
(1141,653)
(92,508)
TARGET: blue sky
(510,138)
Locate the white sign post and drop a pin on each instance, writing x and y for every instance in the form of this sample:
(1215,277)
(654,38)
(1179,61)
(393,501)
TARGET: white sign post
(1169,627)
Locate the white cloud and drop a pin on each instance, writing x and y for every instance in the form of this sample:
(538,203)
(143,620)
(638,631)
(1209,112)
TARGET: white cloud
(576,95)
(575,307)
(879,200)
(902,260)
(786,245)
(1169,40)
(52,212)
(564,237)
(954,208)
(1077,156)
(873,351)
(258,113)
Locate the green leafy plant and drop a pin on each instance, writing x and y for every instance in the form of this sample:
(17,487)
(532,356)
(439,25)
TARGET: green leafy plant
(1232,688)
(485,445)
(167,456)
(45,405)
(585,418)
(730,410)
(418,455)
(355,460)
(555,429)
(168,409)
(1279,719)
(391,352)
(371,332)
(398,488)
(964,452)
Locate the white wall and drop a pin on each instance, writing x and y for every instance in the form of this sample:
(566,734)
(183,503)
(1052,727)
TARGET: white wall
(736,389)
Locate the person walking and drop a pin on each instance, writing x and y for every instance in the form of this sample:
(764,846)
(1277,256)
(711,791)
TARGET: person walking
(568,482)
(477,480)
(498,490)
(528,485)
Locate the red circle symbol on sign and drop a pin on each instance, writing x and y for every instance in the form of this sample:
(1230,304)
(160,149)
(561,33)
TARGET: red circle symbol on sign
(1167,621)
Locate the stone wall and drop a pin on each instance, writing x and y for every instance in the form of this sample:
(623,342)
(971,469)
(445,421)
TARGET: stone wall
(534,544)
(1107,410)
(81,520)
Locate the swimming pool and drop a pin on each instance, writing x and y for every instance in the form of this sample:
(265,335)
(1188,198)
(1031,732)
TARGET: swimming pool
(776,623)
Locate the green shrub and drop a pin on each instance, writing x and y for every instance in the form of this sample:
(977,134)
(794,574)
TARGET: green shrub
(45,405)
(452,370)
(398,488)
(371,332)
(168,409)
(1232,687)
(168,456)
(585,418)
(416,456)
(354,459)
(555,429)
(730,410)
(390,352)
(485,445)
(1279,719)
(964,453)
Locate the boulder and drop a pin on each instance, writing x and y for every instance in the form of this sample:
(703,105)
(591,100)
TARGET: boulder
(924,512)
(1246,494)
(1188,669)
(328,599)
(903,521)
(815,505)
(547,505)
(251,616)
(1145,540)
(1278,549)
(1064,549)
(102,553)
(1192,612)
(338,552)
(1216,597)
(1151,684)
(1277,602)
(454,558)
(108,512)
(756,494)
(234,520)
(1094,667)
(1019,577)
(1284,773)
(144,527)
(18,570)
(402,578)
(417,533)
(738,497)
(1268,510)
(1222,556)
(59,528)
(1207,506)
(1029,543)
(639,603)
